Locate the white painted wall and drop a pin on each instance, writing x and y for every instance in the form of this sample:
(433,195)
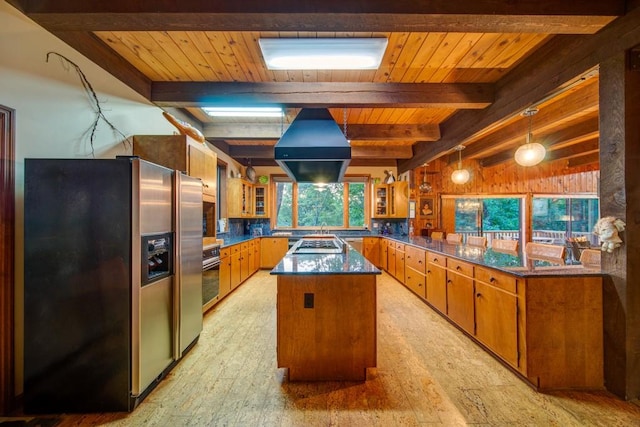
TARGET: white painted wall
(54,113)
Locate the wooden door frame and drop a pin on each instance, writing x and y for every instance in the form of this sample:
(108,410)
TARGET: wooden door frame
(7,260)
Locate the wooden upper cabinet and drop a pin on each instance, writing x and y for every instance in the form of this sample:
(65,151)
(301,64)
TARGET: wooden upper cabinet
(246,200)
(239,198)
(180,152)
(391,200)
(399,199)
(260,201)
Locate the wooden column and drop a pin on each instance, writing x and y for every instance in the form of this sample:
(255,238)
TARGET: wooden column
(620,197)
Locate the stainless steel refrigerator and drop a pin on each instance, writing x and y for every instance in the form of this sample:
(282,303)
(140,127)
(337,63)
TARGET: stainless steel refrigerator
(102,313)
(188,290)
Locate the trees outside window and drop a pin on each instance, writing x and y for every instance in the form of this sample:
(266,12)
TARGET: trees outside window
(314,205)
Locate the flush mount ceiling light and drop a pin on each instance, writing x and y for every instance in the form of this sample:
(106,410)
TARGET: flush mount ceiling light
(530,153)
(323,53)
(460,176)
(243,111)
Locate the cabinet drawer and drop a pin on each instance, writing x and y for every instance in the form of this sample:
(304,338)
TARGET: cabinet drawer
(225,252)
(497,279)
(433,258)
(460,267)
(415,281)
(415,258)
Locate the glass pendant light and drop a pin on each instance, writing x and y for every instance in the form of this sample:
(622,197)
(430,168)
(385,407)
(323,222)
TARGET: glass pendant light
(460,176)
(530,153)
(425,187)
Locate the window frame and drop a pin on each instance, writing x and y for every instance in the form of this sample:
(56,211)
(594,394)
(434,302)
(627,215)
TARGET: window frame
(361,179)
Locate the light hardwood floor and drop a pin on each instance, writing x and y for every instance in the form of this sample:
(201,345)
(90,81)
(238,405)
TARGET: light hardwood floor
(429,374)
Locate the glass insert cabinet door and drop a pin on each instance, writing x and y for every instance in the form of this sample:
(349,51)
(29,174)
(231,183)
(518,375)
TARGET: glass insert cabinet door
(260,203)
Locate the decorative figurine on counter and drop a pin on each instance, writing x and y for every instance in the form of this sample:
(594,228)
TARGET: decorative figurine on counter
(607,230)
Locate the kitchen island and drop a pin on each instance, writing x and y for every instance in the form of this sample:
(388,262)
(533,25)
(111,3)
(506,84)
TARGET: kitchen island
(326,315)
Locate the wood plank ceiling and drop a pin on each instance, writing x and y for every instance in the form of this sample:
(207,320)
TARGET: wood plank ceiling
(442,59)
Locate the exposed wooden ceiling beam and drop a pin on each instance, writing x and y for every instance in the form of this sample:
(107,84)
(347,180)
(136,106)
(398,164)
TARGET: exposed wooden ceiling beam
(542,16)
(244,130)
(576,150)
(354,132)
(107,58)
(391,132)
(358,152)
(587,159)
(326,94)
(557,62)
(571,135)
(570,108)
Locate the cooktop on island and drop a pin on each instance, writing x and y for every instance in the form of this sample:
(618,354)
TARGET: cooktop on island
(332,245)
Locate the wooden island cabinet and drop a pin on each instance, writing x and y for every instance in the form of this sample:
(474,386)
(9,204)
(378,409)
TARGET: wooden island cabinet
(326,316)
(544,322)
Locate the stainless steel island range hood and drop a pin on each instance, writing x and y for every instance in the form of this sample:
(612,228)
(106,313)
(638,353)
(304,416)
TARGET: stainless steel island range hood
(313,149)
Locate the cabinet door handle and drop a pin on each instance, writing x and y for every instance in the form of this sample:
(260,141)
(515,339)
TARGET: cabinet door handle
(478,295)
(419,261)
(429,271)
(492,280)
(449,281)
(458,268)
(435,260)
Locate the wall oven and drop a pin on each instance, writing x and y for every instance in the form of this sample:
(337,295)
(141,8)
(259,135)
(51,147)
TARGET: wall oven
(210,275)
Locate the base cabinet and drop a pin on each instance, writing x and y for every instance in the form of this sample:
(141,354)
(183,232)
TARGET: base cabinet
(437,281)
(460,296)
(496,303)
(371,250)
(548,328)
(414,272)
(244,262)
(272,250)
(384,253)
(400,254)
(225,272)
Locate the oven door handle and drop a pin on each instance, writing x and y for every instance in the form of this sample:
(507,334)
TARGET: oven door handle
(210,263)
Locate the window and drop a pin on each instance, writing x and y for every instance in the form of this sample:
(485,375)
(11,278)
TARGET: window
(284,204)
(495,218)
(557,218)
(338,205)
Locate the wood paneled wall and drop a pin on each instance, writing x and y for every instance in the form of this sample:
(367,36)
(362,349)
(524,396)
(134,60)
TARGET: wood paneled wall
(556,177)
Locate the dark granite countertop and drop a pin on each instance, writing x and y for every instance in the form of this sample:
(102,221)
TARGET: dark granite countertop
(516,263)
(351,262)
